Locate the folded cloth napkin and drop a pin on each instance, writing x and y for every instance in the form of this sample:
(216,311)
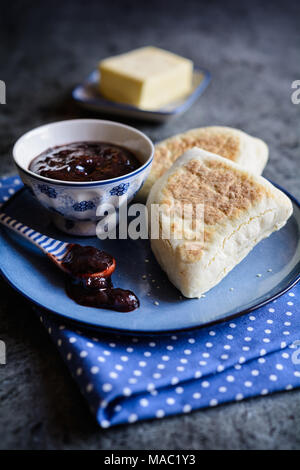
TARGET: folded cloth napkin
(131,378)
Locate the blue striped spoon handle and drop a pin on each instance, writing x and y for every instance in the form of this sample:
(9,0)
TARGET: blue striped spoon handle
(55,249)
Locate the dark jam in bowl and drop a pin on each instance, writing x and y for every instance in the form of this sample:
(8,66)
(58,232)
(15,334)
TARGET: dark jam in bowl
(84,161)
(89,281)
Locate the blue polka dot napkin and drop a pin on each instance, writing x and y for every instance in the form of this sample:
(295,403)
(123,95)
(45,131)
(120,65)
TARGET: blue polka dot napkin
(127,379)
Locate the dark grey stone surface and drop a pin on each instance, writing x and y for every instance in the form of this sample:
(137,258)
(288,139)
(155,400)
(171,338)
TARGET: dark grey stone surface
(252,49)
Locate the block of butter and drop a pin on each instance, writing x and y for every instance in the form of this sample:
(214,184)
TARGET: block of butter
(148,77)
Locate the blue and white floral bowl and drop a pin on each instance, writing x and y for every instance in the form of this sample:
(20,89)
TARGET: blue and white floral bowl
(73,205)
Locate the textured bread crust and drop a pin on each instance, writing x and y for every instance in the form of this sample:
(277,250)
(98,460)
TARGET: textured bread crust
(251,153)
(240,209)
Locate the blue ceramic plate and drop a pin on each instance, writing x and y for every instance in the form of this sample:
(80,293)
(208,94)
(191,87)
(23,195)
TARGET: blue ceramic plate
(87,94)
(32,274)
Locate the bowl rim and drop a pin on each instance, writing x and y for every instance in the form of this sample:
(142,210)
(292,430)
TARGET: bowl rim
(82,183)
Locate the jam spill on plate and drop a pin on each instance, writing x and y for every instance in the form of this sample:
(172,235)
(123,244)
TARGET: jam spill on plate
(89,282)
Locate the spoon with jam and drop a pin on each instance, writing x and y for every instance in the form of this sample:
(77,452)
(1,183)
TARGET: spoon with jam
(88,270)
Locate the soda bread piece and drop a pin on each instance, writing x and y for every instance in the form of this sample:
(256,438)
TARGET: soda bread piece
(249,152)
(240,209)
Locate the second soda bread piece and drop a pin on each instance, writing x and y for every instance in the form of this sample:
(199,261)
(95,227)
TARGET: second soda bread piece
(240,209)
(249,152)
